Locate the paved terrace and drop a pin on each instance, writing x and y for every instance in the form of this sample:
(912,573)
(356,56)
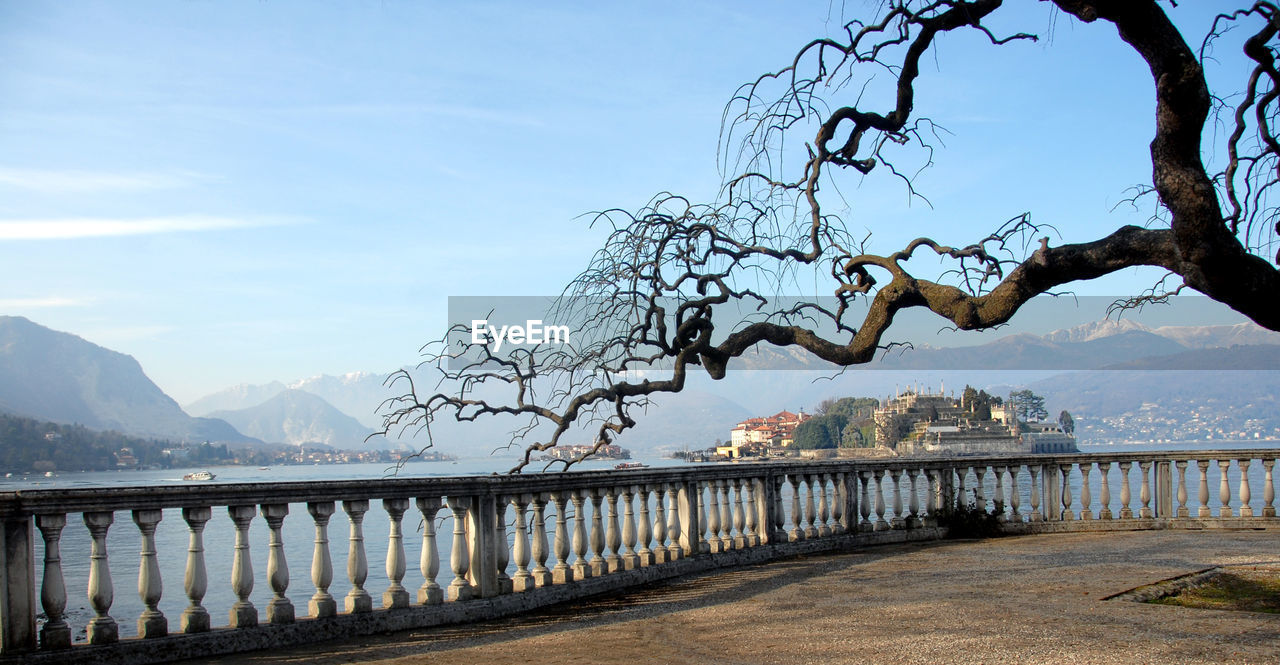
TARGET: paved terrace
(497,547)
(1018,599)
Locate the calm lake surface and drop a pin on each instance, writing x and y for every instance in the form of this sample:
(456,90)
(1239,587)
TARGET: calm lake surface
(299,531)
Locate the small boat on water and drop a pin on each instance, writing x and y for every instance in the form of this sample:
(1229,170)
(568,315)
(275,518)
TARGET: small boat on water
(630,465)
(199,475)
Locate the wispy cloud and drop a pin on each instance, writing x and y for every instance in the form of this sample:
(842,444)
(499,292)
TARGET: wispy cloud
(74,181)
(33,303)
(70,229)
(128,333)
(480,114)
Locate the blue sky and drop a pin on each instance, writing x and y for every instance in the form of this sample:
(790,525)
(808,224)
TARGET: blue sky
(252,191)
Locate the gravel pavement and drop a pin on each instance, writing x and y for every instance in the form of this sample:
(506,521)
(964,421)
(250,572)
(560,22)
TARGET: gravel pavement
(1025,599)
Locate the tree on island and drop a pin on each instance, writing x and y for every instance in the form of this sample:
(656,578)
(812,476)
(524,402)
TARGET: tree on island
(795,144)
(1067,423)
(978,402)
(820,432)
(1028,405)
(852,408)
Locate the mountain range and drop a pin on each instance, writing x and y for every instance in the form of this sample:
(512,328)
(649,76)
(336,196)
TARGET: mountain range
(298,417)
(60,377)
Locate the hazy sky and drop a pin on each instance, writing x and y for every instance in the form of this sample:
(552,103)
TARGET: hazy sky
(247,191)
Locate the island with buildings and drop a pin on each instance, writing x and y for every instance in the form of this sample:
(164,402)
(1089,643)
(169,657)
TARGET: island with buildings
(919,422)
(912,422)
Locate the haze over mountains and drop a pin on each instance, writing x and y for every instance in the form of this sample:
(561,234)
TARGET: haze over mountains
(298,417)
(60,377)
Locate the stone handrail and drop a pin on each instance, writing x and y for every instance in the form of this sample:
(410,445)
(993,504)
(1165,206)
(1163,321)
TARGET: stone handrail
(521,542)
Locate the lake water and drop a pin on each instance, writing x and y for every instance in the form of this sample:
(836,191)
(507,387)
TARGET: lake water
(298,531)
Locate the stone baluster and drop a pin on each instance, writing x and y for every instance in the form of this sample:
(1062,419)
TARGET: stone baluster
(359,600)
(713,517)
(703,524)
(195,618)
(612,532)
(322,603)
(396,595)
(1086,496)
(810,508)
(1182,488)
(582,569)
(898,521)
(279,609)
(502,555)
(1144,490)
(1224,488)
(839,501)
(864,505)
(541,574)
(881,524)
(752,516)
(1203,492)
(673,522)
(644,527)
(55,634)
(797,513)
(1067,515)
(962,497)
(849,502)
(152,622)
(459,556)
(1015,494)
(561,573)
(913,517)
(1036,515)
(998,501)
(979,489)
(102,629)
(581,544)
(1104,493)
(778,529)
(726,515)
(660,552)
(430,592)
(242,614)
(523,580)
(933,497)
(736,524)
(630,559)
(1245,496)
(739,516)
(1268,489)
(824,511)
(1126,512)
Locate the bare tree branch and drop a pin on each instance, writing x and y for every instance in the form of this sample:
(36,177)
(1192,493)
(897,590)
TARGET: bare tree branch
(653,291)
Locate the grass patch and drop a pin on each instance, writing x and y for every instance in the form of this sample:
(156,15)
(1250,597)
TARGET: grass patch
(1241,590)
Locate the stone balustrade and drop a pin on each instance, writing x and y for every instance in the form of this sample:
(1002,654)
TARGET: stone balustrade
(514,543)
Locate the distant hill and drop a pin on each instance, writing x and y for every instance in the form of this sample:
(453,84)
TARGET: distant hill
(693,420)
(1248,357)
(1026,351)
(59,377)
(357,394)
(708,409)
(297,417)
(241,396)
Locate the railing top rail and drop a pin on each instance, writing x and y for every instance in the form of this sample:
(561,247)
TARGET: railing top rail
(40,501)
